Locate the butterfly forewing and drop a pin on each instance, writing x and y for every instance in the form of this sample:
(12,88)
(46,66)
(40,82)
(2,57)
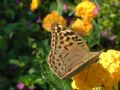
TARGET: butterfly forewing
(69,52)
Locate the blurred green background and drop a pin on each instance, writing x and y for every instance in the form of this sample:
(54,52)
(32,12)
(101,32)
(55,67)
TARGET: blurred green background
(24,44)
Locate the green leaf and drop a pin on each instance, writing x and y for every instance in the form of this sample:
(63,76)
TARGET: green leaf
(53,6)
(60,7)
(17,62)
(3,43)
(3,83)
(94,38)
(10,27)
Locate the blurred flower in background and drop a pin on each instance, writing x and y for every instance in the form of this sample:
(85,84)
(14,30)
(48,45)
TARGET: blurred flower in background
(51,18)
(96,10)
(65,7)
(83,27)
(20,86)
(112,39)
(18,1)
(38,20)
(105,33)
(104,74)
(34,5)
(87,10)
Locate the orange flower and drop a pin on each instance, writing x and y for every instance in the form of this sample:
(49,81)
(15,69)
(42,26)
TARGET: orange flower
(94,76)
(34,5)
(51,18)
(83,27)
(105,74)
(87,10)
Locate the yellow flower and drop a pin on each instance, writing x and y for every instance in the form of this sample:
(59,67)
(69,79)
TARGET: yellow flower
(94,76)
(105,74)
(51,18)
(83,27)
(111,61)
(34,5)
(87,10)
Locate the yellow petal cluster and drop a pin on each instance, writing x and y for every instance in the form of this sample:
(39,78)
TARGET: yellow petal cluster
(85,10)
(104,75)
(111,61)
(51,18)
(34,5)
(93,77)
(83,27)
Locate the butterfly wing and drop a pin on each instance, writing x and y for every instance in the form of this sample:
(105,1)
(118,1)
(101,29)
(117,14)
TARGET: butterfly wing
(69,52)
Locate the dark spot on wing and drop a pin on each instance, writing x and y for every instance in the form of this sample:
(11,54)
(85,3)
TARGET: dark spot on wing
(60,34)
(59,47)
(69,33)
(59,64)
(53,57)
(60,55)
(66,55)
(68,38)
(62,68)
(61,42)
(74,38)
(61,37)
(53,62)
(55,67)
(70,44)
(65,47)
(79,39)
(58,29)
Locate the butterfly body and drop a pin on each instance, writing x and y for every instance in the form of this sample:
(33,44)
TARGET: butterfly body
(69,53)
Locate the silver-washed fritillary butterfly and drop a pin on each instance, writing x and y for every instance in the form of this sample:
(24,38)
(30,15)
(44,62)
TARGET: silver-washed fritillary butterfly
(69,54)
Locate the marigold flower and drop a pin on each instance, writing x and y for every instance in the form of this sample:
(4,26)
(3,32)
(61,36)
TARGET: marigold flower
(92,77)
(111,61)
(87,10)
(51,18)
(34,5)
(83,27)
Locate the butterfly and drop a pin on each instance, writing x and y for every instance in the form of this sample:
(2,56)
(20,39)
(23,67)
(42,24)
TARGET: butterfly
(70,54)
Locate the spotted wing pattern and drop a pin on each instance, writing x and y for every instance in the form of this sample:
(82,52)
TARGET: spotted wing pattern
(69,53)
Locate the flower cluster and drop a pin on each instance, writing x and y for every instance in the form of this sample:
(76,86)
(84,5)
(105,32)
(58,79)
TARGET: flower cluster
(51,18)
(104,74)
(87,11)
(111,61)
(82,26)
